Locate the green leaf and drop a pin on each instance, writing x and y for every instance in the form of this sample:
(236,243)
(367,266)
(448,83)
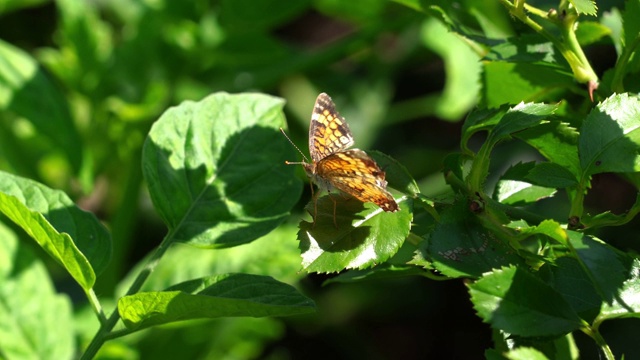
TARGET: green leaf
(216,170)
(585,6)
(515,187)
(526,48)
(589,32)
(459,246)
(525,353)
(275,254)
(397,175)
(72,237)
(365,234)
(610,136)
(521,117)
(480,119)
(627,301)
(517,302)
(609,219)
(228,295)
(26,91)
(569,279)
(35,322)
(526,82)
(556,141)
(603,266)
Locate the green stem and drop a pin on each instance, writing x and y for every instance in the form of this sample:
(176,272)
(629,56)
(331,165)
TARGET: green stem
(104,333)
(97,307)
(595,335)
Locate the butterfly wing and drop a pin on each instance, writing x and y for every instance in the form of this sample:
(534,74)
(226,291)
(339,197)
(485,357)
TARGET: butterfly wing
(357,174)
(328,132)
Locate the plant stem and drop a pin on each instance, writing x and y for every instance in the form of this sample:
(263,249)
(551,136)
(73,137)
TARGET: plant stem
(97,307)
(595,335)
(621,66)
(104,333)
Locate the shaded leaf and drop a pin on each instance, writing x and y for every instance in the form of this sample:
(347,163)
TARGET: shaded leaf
(228,295)
(515,301)
(216,171)
(365,234)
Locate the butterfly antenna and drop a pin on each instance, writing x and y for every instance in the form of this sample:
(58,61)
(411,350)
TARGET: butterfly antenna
(294,145)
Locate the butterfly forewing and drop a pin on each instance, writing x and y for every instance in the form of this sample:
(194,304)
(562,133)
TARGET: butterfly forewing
(328,133)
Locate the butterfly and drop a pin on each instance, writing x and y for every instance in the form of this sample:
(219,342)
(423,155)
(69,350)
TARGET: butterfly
(334,166)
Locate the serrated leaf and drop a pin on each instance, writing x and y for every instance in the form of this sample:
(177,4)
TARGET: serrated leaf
(524,48)
(585,7)
(601,263)
(627,301)
(515,301)
(216,172)
(610,136)
(519,193)
(365,235)
(228,295)
(460,247)
(35,321)
(478,120)
(521,117)
(551,175)
(26,91)
(72,237)
(556,141)
(569,279)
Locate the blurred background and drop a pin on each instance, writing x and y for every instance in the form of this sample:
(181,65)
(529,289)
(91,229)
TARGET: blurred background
(106,70)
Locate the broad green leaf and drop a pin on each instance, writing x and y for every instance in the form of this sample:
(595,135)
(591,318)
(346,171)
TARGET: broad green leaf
(216,172)
(526,82)
(601,262)
(363,234)
(627,301)
(26,91)
(35,322)
(515,301)
(568,278)
(228,295)
(525,353)
(610,136)
(460,247)
(558,142)
(462,68)
(275,254)
(585,6)
(72,237)
(551,175)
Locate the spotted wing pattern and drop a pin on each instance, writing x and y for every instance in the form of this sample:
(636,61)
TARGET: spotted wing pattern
(333,165)
(328,133)
(357,174)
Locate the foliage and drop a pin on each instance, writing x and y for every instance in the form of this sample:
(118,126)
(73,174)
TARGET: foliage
(84,127)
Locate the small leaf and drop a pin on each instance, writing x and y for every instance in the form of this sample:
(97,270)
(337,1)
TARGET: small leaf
(365,235)
(459,246)
(589,32)
(35,321)
(228,295)
(521,117)
(480,119)
(610,136)
(557,142)
(72,237)
(515,301)
(216,170)
(609,219)
(585,7)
